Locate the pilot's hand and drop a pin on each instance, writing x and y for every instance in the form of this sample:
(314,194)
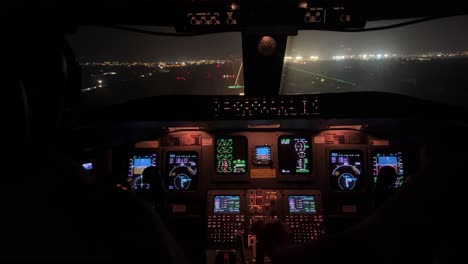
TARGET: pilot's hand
(273,234)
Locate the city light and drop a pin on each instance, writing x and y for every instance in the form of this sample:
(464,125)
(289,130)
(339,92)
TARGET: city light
(110,74)
(338,57)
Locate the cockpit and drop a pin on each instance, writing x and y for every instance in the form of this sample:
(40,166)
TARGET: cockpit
(235,132)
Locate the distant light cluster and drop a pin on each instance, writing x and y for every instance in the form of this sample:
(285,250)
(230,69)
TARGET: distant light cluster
(377,56)
(296,59)
(164,64)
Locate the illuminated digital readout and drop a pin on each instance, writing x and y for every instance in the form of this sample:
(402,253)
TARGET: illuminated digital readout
(226,204)
(302,204)
(231,155)
(390,159)
(87,166)
(294,155)
(346,169)
(182,172)
(262,155)
(137,164)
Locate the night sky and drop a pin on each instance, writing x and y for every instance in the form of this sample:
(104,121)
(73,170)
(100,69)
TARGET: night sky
(101,44)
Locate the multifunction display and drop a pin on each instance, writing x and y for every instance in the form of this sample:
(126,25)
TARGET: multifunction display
(182,171)
(302,204)
(137,164)
(294,155)
(231,155)
(226,204)
(346,169)
(391,159)
(262,155)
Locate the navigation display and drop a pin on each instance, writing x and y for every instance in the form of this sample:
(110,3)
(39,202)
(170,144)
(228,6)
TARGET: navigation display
(182,171)
(301,204)
(346,169)
(391,159)
(231,155)
(226,204)
(137,164)
(262,155)
(294,155)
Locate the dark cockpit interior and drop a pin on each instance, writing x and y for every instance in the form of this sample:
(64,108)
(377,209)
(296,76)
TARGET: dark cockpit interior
(235,132)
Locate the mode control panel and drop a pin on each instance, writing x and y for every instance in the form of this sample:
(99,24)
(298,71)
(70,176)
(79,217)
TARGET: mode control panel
(234,107)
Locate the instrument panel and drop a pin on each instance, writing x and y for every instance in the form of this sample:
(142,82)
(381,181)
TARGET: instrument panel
(337,161)
(314,182)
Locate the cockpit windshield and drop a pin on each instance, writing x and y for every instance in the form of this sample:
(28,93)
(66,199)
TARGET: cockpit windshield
(118,66)
(426,61)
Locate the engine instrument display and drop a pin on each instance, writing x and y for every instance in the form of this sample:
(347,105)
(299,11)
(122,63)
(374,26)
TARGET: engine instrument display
(262,155)
(346,169)
(302,204)
(182,171)
(391,159)
(294,155)
(137,164)
(231,155)
(226,204)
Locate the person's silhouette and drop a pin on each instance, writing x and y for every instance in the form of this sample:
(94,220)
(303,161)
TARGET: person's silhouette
(385,185)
